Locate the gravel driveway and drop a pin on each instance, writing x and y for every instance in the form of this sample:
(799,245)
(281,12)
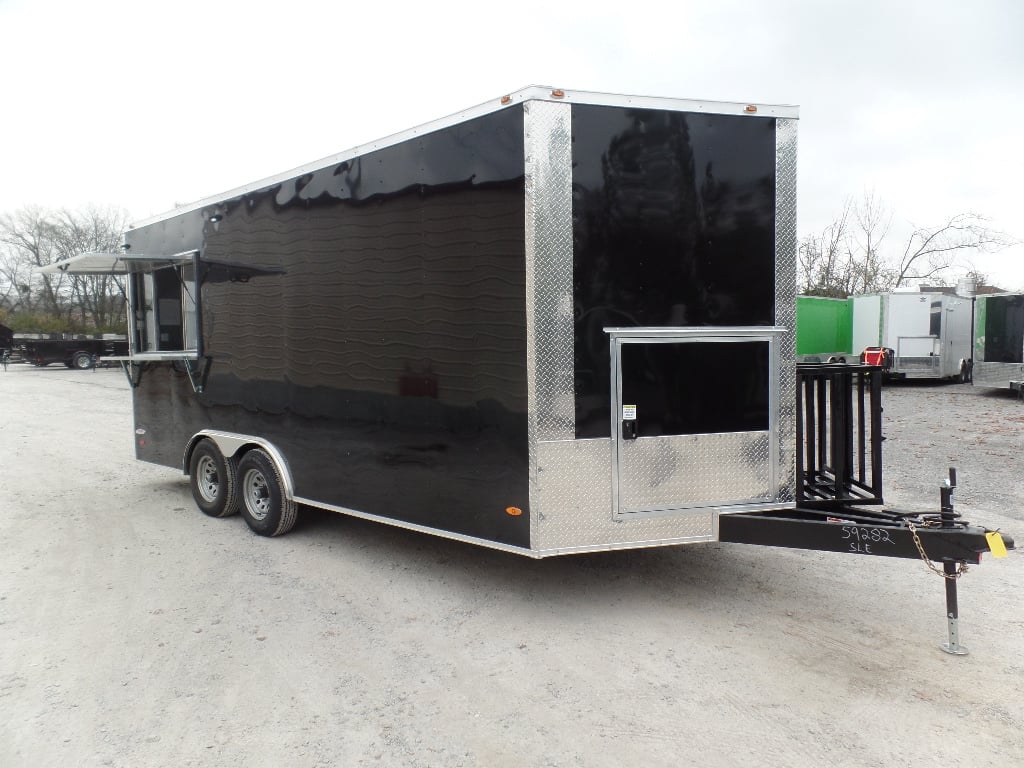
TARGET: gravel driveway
(135,631)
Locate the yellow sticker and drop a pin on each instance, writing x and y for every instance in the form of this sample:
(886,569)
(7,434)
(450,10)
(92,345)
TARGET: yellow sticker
(995,544)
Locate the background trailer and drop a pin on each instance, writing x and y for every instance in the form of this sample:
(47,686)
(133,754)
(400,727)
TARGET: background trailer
(929,333)
(824,330)
(999,341)
(557,322)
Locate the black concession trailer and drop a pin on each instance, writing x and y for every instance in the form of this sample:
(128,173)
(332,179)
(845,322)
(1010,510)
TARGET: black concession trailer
(556,322)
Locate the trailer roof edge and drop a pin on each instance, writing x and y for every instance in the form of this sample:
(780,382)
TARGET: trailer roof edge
(529,93)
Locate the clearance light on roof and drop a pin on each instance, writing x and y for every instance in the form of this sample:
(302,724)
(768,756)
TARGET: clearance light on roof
(750,108)
(558,93)
(506,99)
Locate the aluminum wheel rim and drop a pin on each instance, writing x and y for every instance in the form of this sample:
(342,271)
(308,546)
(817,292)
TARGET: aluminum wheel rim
(257,494)
(208,481)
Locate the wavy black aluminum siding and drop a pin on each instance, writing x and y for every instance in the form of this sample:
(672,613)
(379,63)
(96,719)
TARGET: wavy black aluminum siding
(673,225)
(369,320)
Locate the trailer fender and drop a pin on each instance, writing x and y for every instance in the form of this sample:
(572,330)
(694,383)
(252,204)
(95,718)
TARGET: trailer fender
(234,444)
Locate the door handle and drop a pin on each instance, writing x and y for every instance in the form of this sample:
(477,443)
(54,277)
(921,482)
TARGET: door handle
(629,429)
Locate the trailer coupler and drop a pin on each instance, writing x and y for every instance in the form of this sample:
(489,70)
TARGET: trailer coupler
(933,538)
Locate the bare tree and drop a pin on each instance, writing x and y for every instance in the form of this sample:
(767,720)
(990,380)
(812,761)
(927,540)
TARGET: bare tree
(97,299)
(932,250)
(868,270)
(821,258)
(849,257)
(846,258)
(33,237)
(27,238)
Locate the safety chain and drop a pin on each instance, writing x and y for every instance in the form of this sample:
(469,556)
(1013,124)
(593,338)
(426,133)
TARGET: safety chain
(961,568)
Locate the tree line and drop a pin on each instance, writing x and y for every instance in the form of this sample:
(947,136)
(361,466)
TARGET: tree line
(853,254)
(34,237)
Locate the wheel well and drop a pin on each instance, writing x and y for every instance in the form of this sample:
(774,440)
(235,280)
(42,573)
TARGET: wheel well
(231,444)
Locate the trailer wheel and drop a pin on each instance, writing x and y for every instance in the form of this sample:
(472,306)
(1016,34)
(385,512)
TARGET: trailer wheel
(264,505)
(82,360)
(214,480)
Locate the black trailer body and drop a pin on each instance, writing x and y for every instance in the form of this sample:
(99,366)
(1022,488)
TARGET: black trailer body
(487,327)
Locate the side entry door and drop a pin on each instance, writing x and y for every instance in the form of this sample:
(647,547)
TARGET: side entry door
(694,419)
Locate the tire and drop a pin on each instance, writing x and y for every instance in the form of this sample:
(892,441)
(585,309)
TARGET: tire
(82,361)
(214,480)
(261,492)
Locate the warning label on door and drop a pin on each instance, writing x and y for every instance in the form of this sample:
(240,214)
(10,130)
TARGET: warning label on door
(629,413)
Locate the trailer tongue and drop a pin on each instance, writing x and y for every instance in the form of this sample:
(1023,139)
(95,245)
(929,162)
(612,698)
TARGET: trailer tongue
(839,502)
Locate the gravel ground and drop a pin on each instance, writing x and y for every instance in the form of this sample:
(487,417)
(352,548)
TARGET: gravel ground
(135,631)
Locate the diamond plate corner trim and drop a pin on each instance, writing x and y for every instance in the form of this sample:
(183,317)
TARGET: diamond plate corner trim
(549,267)
(549,320)
(785,299)
(572,479)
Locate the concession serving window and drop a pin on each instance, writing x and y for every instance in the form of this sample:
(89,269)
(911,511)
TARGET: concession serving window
(163,306)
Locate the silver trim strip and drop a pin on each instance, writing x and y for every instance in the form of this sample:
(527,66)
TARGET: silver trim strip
(530,93)
(535,554)
(149,357)
(703,508)
(415,527)
(694,330)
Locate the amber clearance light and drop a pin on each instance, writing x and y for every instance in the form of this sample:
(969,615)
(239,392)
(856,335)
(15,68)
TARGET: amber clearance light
(514,511)
(750,108)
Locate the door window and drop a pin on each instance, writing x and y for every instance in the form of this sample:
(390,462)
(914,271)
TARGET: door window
(686,388)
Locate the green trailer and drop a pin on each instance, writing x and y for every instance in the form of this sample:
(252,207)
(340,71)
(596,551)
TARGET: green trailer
(824,330)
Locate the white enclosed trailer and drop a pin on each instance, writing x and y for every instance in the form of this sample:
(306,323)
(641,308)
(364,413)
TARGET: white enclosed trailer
(929,333)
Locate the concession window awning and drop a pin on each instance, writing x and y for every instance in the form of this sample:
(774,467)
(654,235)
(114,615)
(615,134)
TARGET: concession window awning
(101,263)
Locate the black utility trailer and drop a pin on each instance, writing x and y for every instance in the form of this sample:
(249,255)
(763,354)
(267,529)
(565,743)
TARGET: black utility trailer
(556,322)
(74,350)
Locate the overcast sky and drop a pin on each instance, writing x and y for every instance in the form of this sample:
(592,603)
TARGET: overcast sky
(146,105)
